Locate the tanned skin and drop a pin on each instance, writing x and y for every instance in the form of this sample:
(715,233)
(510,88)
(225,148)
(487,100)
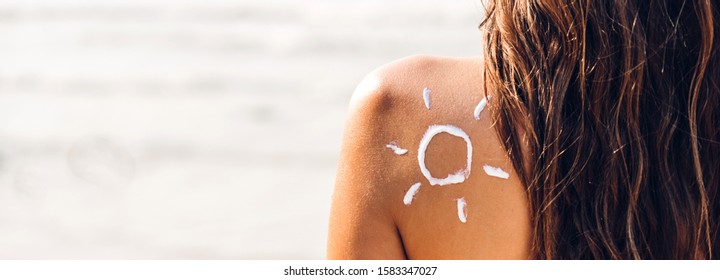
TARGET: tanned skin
(368,218)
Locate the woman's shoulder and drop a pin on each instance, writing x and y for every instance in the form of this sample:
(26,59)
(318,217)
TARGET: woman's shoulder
(401,80)
(399,96)
(417,151)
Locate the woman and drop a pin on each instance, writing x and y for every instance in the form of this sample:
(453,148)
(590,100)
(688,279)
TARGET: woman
(588,130)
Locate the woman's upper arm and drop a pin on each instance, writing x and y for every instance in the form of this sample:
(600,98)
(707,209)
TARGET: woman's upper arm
(361,223)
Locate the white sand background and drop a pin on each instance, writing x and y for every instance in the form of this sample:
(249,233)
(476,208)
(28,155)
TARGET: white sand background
(190,129)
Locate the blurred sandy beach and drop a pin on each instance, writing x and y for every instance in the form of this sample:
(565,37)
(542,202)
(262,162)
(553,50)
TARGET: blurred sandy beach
(166,129)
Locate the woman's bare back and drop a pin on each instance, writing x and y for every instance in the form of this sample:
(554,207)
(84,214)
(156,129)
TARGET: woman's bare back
(421,113)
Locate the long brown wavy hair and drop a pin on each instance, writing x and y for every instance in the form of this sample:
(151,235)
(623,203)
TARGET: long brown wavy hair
(619,104)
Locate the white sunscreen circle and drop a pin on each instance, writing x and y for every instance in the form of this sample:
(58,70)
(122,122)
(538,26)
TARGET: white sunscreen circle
(455,178)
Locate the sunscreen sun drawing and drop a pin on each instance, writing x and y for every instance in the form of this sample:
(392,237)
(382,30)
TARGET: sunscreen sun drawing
(455,178)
